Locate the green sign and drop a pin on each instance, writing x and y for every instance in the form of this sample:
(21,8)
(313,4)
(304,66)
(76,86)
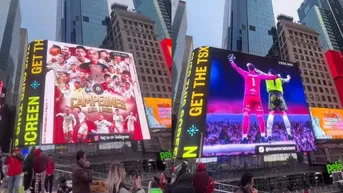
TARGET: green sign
(165,155)
(334,167)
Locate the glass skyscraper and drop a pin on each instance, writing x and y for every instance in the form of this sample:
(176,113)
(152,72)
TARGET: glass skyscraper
(9,45)
(326,17)
(178,41)
(158,11)
(82,21)
(251,27)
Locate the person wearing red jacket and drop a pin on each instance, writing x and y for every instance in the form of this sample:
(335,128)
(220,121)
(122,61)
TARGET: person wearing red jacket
(15,168)
(201,179)
(50,168)
(39,166)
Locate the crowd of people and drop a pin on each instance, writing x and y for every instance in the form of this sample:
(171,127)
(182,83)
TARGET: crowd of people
(37,167)
(229,132)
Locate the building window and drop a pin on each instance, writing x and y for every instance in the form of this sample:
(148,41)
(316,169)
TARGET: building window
(252,28)
(309,89)
(103,22)
(85,19)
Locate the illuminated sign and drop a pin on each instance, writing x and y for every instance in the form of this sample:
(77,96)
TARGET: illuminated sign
(165,155)
(334,167)
(158,112)
(31,101)
(275,149)
(79,94)
(239,103)
(193,112)
(166,47)
(327,123)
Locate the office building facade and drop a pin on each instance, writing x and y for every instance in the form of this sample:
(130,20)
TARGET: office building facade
(158,11)
(335,61)
(175,4)
(10,22)
(318,19)
(250,27)
(135,33)
(20,67)
(183,76)
(326,17)
(178,42)
(227,24)
(82,21)
(9,47)
(301,44)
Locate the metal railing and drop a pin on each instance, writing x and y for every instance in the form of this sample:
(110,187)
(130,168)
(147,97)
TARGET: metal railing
(220,187)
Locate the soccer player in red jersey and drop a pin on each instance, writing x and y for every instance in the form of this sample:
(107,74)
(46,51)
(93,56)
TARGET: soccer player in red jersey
(252,97)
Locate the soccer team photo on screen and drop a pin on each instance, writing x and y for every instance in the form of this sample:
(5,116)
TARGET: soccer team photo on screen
(96,96)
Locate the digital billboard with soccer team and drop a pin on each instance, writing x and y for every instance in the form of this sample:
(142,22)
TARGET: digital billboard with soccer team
(241,104)
(327,123)
(74,93)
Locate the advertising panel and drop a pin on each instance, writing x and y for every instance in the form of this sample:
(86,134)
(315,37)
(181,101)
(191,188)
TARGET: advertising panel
(327,123)
(166,46)
(79,94)
(158,112)
(237,103)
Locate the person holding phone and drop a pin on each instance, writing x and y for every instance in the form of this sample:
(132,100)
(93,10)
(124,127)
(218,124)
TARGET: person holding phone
(14,165)
(115,182)
(247,183)
(82,176)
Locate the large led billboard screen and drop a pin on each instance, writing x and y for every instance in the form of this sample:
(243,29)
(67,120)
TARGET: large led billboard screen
(327,123)
(158,111)
(74,93)
(242,104)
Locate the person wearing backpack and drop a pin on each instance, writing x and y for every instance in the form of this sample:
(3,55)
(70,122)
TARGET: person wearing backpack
(247,183)
(200,179)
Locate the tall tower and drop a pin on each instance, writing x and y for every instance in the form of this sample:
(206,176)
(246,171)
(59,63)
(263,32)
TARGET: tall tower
(158,11)
(82,21)
(9,46)
(326,17)
(251,27)
(179,40)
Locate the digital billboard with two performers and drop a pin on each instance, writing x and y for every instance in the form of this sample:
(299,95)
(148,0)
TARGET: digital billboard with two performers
(327,123)
(242,104)
(79,94)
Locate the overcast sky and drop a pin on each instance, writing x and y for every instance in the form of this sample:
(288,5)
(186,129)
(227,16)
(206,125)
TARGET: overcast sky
(41,23)
(213,22)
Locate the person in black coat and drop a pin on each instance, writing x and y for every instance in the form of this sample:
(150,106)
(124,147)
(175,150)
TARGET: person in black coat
(184,184)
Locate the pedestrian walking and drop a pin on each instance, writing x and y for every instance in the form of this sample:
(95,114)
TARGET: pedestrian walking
(39,167)
(50,168)
(15,167)
(82,175)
